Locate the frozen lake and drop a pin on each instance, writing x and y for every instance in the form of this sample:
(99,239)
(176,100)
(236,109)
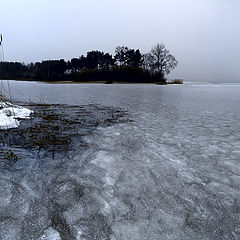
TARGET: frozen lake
(171,173)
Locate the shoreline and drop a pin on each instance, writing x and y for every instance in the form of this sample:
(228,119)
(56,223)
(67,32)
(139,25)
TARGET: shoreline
(93,82)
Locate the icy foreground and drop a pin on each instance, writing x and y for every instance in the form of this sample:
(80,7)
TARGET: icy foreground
(10,115)
(171,174)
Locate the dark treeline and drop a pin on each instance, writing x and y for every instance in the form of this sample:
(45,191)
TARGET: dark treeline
(127,65)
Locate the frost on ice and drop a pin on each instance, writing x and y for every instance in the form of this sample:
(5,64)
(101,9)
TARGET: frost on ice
(10,115)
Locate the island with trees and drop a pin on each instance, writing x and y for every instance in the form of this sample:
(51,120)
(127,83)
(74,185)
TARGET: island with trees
(127,66)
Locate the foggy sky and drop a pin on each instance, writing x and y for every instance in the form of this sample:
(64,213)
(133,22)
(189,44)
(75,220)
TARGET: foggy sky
(204,35)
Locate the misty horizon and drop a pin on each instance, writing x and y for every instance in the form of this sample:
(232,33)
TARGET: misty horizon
(202,35)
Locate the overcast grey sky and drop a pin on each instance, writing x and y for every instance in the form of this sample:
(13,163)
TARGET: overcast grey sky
(204,35)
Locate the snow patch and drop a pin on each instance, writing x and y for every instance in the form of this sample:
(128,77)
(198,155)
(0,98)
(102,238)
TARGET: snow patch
(10,115)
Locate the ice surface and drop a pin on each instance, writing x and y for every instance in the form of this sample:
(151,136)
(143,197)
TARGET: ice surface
(173,173)
(10,115)
(50,234)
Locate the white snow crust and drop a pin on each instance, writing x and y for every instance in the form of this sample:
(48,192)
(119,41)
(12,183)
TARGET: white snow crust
(10,115)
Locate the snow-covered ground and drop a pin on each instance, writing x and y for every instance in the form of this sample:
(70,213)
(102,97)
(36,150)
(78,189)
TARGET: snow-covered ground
(10,115)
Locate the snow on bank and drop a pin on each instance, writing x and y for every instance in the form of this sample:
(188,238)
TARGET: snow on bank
(10,115)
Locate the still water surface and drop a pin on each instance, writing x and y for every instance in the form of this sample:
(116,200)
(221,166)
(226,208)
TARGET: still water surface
(172,173)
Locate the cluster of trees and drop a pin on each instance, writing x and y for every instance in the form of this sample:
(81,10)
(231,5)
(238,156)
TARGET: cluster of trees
(127,65)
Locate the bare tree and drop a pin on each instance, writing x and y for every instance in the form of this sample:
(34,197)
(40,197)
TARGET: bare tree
(148,61)
(163,61)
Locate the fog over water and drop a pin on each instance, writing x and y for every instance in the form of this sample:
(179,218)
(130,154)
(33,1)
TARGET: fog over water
(203,35)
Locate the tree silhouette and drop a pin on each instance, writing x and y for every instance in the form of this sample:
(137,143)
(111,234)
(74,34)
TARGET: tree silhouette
(148,61)
(106,61)
(128,65)
(120,55)
(128,57)
(92,59)
(163,61)
(133,58)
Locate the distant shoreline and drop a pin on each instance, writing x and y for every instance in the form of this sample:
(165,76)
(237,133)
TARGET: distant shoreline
(126,66)
(93,82)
